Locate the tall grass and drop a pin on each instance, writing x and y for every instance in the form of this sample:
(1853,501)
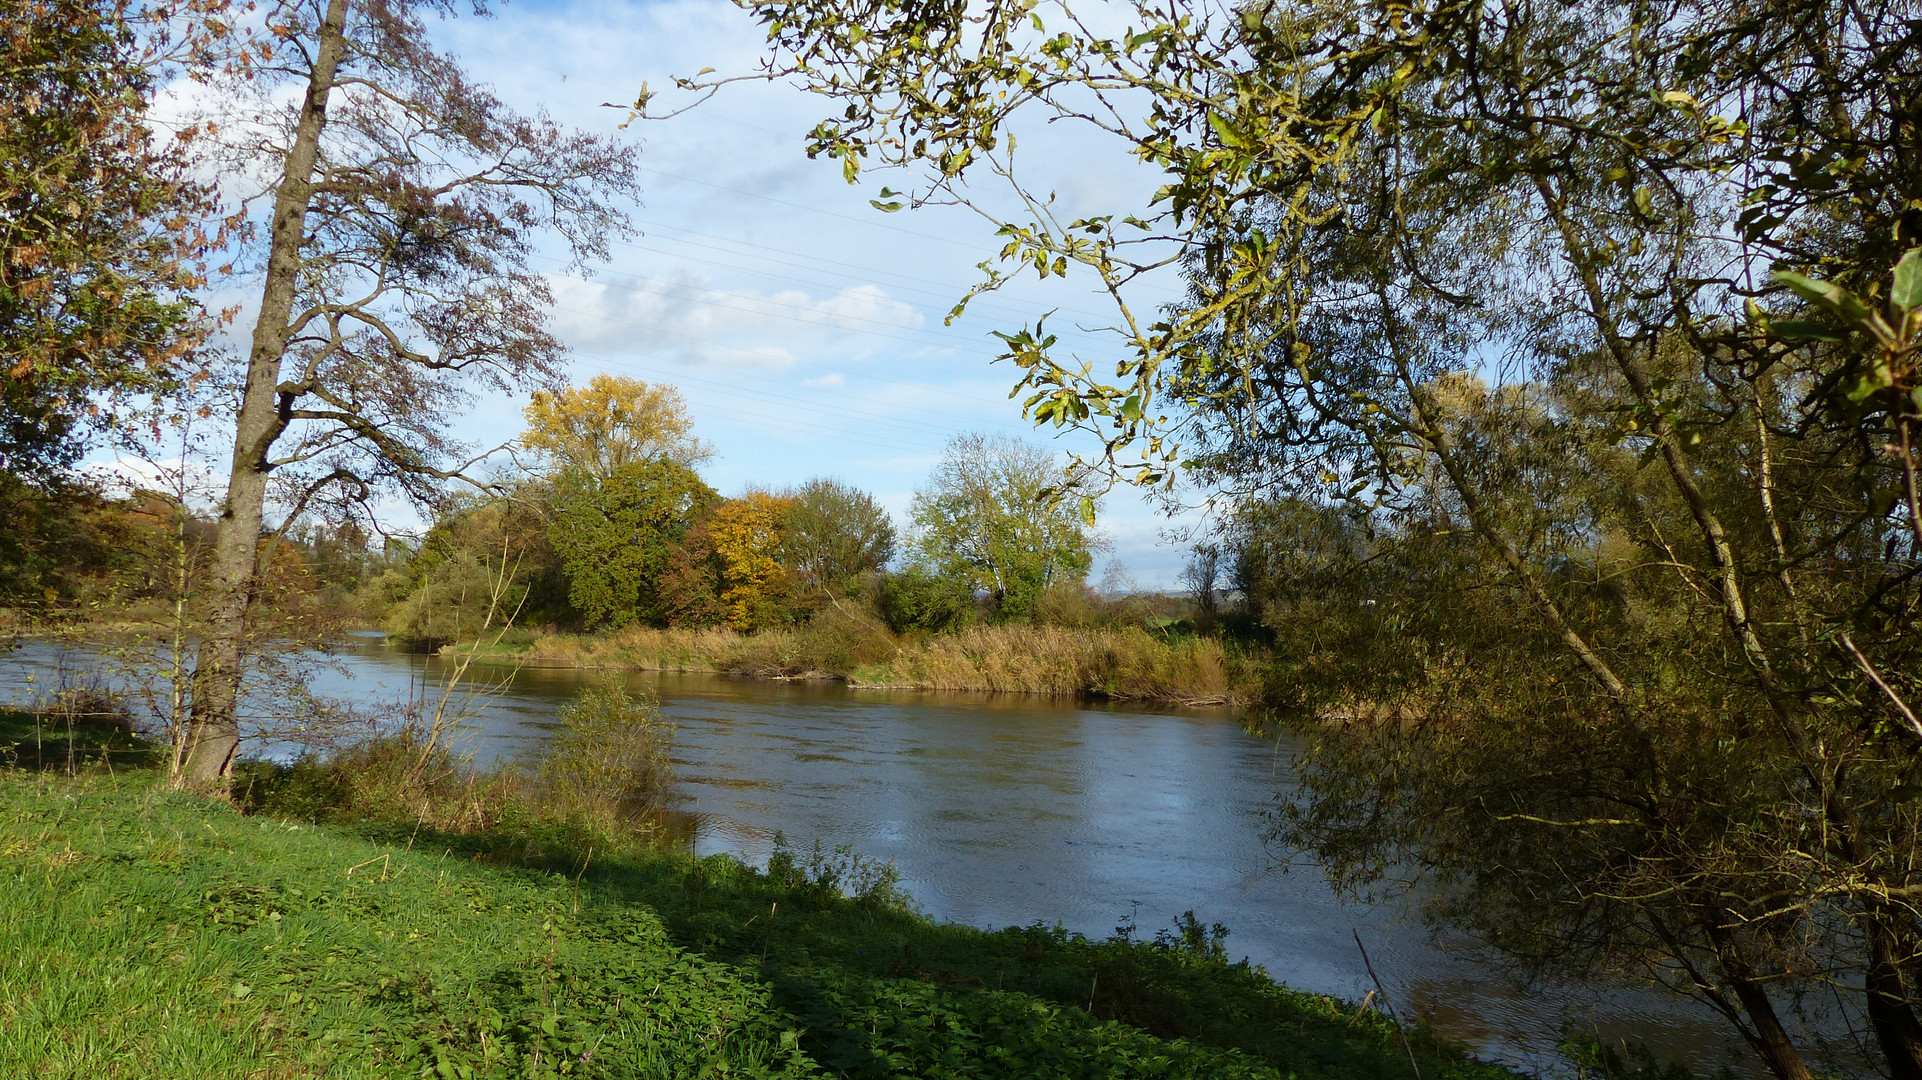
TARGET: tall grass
(1121,664)
(598,784)
(1127,663)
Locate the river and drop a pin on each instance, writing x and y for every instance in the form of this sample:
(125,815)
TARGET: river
(1001,810)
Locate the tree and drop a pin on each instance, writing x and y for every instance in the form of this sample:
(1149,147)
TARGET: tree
(615,535)
(1495,278)
(994,515)
(97,222)
(98,255)
(401,204)
(833,534)
(445,592)
(918,598)
(747,535)
(621,455)
(611,422)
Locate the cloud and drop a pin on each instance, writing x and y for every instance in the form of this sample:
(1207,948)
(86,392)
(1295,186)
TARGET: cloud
(831,379)
(678,319)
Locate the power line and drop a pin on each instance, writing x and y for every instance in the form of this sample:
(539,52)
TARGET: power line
(724,118)
(810,209)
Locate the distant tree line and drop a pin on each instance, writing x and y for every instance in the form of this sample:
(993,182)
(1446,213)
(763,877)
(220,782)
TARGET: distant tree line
(612,525)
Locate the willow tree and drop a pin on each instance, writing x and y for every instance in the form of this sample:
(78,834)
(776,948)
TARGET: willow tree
(1500,281)
(398,205)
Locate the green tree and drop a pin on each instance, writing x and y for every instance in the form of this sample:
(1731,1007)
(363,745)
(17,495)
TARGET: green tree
(995,515)
(98,223)
(1635,686)
(614,535)
(918,598)
(444,592)
(834,534)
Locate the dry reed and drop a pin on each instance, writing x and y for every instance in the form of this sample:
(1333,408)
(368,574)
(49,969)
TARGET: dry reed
(1125,664)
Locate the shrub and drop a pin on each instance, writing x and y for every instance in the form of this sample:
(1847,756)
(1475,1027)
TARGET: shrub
(842,637)
(920,599)
(595,785)
(608,764)
(842,872)
(1070,603)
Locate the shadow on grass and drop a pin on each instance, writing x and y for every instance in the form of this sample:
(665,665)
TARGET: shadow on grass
(882,991)
(41,741)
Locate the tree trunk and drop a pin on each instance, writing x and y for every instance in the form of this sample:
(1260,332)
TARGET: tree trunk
(1764,1031)
(1767,1036)
(1890,1014)
(213,728)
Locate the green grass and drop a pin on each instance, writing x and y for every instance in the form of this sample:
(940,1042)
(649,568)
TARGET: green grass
(149,933)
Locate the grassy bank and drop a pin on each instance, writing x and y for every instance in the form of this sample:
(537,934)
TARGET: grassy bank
(152,933)
(1124,664)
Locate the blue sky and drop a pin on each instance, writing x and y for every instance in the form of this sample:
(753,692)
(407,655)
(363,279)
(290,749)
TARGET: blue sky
(803,327)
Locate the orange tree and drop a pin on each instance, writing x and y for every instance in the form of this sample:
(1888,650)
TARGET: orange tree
(746,534)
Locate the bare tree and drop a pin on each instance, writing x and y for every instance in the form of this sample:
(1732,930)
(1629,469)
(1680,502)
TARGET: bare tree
(402,204)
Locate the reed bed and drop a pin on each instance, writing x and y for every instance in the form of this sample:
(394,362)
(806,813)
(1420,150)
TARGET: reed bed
(1125,663)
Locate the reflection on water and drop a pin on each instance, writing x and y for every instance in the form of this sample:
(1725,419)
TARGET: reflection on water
(1008,810)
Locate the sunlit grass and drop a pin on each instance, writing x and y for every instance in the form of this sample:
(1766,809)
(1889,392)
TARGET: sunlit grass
(153,933)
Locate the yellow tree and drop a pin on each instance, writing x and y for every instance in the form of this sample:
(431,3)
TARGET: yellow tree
(746,534)
(611,422)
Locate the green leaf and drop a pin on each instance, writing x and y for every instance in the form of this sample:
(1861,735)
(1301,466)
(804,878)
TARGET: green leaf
(1087,510)
(1827,294)
(1226,132)
(1804,329)
(1907,293)
(1878,378)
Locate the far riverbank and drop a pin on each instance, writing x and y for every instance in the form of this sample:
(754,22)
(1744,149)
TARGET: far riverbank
(1115,664)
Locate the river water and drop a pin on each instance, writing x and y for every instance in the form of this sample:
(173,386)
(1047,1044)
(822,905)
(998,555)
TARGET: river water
(1002,810)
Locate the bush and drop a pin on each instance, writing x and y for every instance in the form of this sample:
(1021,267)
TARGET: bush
(919,599)
(842,637)
(608,764)
(595,785)
(1070,603)
(454,601)
(842,872)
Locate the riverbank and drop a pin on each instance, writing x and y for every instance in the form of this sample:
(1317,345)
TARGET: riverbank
(1117,664)
(145,931)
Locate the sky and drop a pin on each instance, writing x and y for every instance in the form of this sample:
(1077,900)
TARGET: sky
(803,327)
